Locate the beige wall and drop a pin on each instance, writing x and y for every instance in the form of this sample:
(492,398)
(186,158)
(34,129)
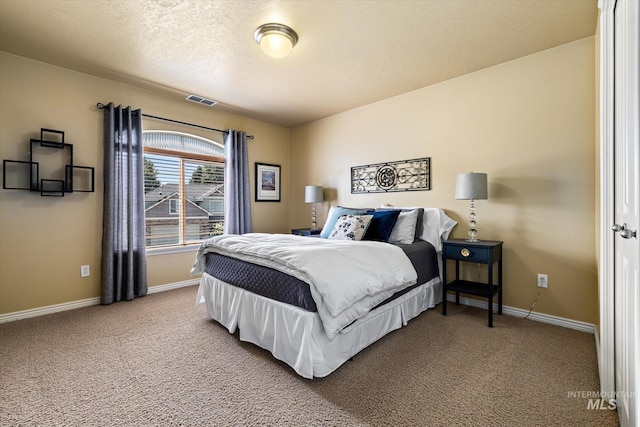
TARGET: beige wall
(45,240)
(529,124)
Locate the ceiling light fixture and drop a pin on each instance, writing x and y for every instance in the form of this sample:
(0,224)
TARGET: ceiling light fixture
(276,40)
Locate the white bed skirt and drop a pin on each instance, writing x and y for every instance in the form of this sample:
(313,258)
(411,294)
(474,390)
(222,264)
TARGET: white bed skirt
(296,336)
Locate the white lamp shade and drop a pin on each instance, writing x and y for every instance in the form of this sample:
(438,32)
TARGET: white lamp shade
(471,186)
(313,194)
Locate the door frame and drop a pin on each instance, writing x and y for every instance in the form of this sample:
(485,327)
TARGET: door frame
(606,268)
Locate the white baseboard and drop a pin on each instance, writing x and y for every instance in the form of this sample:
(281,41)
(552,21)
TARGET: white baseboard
(170,286)
(538,317)
(50,309)
(511,311)
(596,335)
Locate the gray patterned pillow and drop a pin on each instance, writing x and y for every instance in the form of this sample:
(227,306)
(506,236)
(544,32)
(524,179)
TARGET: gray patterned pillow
(350,227)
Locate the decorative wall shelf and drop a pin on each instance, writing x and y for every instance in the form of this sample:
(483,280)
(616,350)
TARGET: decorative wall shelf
(53,157)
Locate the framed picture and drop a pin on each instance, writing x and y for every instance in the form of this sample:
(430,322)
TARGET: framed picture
(267,183)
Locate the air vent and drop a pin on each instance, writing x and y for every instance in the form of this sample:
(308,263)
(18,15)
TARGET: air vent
(201,100)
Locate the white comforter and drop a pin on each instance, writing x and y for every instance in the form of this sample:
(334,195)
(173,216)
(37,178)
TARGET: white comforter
(346,278)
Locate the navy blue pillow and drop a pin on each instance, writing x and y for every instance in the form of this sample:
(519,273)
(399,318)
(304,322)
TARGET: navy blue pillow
(381,225)
(419,223)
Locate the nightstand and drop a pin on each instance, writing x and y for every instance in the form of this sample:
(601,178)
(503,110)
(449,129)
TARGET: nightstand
(306,232)
(483,252)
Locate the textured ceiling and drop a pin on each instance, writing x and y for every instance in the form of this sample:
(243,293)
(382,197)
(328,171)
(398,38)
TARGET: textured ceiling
(350,53)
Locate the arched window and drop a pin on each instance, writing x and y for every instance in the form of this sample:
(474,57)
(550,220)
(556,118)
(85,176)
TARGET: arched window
(184,188)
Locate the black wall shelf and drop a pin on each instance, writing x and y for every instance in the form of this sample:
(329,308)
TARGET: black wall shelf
(67,178)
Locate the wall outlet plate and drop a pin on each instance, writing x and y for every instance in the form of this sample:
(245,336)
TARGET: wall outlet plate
(85,271)
(543,280)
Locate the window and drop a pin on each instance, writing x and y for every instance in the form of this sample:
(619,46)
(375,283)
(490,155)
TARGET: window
(173,207)
(183,188)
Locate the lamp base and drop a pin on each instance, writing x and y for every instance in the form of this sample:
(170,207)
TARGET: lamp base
(314,224)
(473,232)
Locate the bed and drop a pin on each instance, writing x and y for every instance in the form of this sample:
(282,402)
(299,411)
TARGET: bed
(314,303)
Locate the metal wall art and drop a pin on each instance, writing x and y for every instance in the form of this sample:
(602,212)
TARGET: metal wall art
(405,175)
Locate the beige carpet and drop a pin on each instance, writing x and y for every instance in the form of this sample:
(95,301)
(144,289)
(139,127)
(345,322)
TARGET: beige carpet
(159,361)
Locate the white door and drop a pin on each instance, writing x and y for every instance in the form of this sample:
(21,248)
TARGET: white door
(627,183)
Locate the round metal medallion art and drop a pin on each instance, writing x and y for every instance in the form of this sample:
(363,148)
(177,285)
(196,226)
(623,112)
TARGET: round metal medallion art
(386,177)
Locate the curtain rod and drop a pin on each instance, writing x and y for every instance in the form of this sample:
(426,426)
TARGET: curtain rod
(100,106)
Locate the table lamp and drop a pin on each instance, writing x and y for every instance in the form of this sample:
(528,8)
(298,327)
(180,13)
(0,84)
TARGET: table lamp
(471,186)
(313,195)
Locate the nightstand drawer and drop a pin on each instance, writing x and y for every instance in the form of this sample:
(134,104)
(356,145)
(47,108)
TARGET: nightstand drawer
(468,253)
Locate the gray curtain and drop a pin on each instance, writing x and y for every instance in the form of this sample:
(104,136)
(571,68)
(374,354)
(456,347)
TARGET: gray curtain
(124,265)
(237,200)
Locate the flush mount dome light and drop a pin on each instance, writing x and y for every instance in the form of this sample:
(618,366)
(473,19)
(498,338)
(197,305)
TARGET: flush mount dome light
(276,40)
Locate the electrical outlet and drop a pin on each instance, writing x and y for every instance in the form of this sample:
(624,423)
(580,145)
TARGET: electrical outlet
(543,280)
(85,271)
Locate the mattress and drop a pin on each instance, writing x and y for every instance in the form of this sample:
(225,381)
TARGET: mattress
(276,285)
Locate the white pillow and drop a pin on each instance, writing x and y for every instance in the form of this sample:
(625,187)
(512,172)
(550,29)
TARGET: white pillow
(350,227)
(334,214)
(404,230)
(436,225)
